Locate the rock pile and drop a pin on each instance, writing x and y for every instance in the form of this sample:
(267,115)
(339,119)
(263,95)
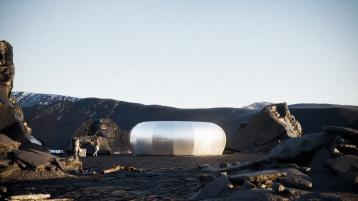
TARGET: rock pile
(297,168)
(265,129)
(15,160)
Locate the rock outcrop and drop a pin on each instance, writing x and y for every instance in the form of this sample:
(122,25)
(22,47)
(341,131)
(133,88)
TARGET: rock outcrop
(12,122)
(19,150)
(112,138)
(265,129)
(297,168)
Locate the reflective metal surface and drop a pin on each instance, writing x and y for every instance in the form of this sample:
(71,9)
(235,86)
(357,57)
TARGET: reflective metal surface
(177,138)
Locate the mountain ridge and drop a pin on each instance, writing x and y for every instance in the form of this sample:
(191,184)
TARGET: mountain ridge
(55,119)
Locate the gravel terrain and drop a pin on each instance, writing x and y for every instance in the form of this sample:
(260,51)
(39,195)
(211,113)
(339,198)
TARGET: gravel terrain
(162,178)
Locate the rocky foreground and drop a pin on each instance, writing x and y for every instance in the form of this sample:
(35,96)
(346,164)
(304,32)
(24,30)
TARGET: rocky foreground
(296,169)
(239,176)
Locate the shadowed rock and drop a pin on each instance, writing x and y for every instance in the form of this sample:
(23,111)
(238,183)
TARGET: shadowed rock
(253,195)
(12,122)
(271,124)
(213,189)
(349,133)
(343,163)
(293,147)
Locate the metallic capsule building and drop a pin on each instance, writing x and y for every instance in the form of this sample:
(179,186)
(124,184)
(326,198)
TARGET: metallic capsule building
(177,138)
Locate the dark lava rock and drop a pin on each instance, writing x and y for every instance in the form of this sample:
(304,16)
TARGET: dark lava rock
(344,163)
(248,185)
(206,178)
(296,182)
(271,124)
(224,165)
(213,189)
(296,179)
(292,147)
(345,132)
(320,196)
(323,177)
(346,168)
(253,195)
(33,146)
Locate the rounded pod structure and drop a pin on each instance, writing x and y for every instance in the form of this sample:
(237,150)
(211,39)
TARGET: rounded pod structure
(177,138)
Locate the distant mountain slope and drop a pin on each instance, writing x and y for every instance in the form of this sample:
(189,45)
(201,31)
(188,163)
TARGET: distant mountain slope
(54,118)
(30,99)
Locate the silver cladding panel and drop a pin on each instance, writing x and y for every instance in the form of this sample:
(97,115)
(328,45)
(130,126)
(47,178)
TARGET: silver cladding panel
(177,138)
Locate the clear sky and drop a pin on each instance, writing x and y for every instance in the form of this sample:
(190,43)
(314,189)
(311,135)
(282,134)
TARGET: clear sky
(186,53)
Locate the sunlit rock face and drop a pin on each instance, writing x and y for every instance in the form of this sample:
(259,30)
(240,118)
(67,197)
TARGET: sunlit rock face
(265,129)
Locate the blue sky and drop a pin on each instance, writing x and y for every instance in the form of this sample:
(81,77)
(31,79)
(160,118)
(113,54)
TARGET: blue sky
(186,53)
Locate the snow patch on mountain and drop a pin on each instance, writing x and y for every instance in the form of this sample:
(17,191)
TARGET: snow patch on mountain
(26,99)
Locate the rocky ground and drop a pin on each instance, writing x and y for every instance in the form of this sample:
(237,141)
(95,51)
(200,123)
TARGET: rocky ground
(160,178)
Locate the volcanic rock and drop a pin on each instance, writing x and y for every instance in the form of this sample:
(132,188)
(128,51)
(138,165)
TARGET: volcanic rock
(33,158)
(254,195)
(323,177)
(7,144)
(292,147)
(113,138)
(271,124)
(296,182)
(213,189)
(344,132)
(12,122)
(343,164)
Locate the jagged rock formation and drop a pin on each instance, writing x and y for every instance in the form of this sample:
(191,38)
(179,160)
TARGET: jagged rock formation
(19,150)
(112,138)
(12,122)
(273,123)
(298,168)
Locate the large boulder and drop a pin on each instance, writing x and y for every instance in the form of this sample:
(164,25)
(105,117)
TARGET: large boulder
(271,124)
(12,121)
(112,138)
